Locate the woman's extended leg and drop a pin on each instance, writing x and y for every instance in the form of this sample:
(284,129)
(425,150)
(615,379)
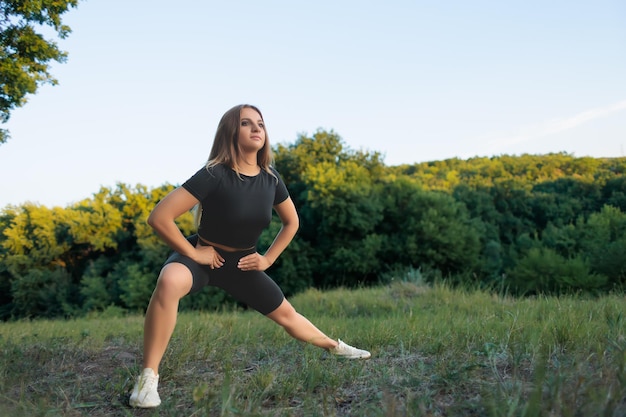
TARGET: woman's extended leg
(299,327)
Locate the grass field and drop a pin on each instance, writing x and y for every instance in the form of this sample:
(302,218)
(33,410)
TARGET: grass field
(436,352)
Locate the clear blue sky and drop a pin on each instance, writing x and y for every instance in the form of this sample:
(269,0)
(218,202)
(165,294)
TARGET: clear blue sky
(146,82)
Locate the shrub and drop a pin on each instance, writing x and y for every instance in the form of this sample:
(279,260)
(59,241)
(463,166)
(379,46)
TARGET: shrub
(542,270)
(42,293)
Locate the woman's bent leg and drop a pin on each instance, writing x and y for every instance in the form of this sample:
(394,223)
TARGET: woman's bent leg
(173,284)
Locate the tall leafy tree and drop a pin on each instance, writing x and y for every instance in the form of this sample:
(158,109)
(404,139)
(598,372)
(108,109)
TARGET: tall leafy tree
(334,189)
(25,54)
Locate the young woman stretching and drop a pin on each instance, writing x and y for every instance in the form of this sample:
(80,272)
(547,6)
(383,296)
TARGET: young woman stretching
(235,193)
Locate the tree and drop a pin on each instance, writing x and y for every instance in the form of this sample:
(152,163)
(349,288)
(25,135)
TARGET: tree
(334,189)
(614,192)
(428,229)
(603,240)
(24,53)
(599,241)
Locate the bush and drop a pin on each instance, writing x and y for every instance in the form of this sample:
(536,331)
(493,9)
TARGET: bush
(136,284)
(97,288)
(42,293)
(543,271)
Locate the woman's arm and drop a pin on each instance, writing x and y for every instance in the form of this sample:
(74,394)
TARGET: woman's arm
(175,204)
(289,218)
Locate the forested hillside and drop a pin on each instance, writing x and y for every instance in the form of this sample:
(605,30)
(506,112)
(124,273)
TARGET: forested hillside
(523,224)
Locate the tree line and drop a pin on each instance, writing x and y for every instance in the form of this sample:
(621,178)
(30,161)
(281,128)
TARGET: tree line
(527,224)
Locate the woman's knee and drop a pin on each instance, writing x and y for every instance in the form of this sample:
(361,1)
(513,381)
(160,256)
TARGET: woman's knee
(175,280)
(284,313)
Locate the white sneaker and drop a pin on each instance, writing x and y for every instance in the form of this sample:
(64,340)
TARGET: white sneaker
(349,352)
(145,393)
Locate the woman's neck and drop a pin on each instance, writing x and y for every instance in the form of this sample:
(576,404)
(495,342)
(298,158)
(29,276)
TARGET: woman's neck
(244,162)
(248,165)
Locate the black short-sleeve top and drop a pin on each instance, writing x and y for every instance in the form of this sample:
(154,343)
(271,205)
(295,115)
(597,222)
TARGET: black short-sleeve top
(235,209)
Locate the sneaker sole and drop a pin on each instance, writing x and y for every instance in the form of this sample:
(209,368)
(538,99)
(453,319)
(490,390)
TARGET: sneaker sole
(137,405)
(353,357)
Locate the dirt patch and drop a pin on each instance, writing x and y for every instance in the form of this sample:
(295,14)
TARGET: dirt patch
(71,382)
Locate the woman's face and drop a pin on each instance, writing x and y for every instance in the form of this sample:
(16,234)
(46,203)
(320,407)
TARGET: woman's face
(251,130)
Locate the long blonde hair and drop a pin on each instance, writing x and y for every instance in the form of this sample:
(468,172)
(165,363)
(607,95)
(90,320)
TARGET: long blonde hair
(225,149)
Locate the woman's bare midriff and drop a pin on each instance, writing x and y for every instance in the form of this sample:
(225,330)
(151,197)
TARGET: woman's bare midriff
(223,247)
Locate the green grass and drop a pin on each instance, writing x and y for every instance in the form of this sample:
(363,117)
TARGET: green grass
(436,352)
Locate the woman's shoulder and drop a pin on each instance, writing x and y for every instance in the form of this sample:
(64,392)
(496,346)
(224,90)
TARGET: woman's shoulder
(217,169)
(208,173)
(272,171)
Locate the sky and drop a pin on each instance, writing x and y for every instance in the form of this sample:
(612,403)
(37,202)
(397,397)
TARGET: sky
(146,82)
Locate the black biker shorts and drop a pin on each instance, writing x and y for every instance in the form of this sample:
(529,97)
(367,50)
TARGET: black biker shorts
(253,288)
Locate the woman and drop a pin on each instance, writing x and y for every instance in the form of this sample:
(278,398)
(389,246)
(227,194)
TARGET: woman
(235,193)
